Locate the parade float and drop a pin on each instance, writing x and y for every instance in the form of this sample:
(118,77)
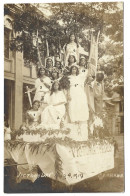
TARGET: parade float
(59,155)
(67,154)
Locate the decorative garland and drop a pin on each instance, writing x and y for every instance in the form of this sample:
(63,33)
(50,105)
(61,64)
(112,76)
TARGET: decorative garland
(12,145)
(40,131)
(51,142)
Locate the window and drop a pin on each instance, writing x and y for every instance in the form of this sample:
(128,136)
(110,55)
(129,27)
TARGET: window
(6,42)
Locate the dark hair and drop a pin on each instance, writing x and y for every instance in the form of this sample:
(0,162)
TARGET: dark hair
(52,88)
(54,72)
(85,66)
(77,72)
(47,61)
(60,64)
(64,82)
(36,101)
(75,38)
(39,74)
(72,34)
(74,58)
(99,77)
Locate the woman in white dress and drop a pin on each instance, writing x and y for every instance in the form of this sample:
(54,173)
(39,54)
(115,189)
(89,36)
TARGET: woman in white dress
(78,106)
(73,47)
(42,85)
(55,109)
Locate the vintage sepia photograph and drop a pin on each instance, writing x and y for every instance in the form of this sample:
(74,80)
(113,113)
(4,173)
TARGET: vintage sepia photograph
(64,97)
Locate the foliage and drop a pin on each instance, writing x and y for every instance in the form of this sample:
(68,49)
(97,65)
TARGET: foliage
(79,18)
(39,131)
(50,144)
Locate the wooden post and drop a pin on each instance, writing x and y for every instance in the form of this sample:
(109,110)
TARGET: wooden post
(18,108)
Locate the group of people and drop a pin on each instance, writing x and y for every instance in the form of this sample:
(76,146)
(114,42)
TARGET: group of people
(64,94)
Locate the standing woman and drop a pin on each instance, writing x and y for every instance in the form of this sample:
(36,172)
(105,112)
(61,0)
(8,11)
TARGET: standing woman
(77,99)
(71,47)
(42,85)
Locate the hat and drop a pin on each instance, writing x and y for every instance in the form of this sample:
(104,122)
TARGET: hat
(54,69)
(82,57)
(49,58)
(55,81)
(42,67)
(75,65)
(73,54)
(57,59)
(100,72)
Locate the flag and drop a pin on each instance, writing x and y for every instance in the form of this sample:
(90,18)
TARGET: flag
(38,52)
(92,70)
(93,57)
(47,49)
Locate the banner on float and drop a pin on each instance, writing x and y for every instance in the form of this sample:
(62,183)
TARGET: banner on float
(93,57)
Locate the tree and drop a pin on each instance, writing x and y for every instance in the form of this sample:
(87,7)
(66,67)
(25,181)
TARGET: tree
(71,17)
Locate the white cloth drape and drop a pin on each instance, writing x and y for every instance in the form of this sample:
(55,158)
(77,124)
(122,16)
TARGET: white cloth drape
(53,114)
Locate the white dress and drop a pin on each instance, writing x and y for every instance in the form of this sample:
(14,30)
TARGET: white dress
(7,132)
(72,48)
(53,114)
(41,89)
(83,72)
(78,106)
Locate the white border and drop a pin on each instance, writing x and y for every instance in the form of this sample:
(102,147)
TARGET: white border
(126,74)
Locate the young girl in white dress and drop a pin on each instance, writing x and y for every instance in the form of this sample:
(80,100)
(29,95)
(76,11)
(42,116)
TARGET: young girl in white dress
(42,85)
(55,109)
(33,116)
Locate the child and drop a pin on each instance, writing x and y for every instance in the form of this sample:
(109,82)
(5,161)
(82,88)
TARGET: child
(7,130)
(33,115)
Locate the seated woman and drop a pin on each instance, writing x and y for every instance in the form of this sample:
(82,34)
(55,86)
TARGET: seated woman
(33,116)
(55,111)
